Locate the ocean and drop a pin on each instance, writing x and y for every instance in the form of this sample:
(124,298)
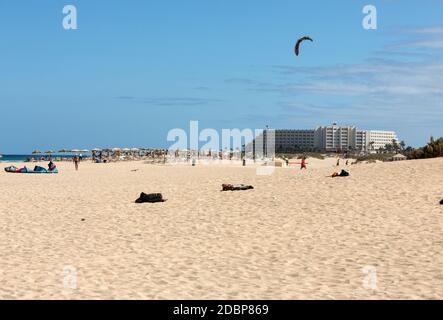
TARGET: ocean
(26,157)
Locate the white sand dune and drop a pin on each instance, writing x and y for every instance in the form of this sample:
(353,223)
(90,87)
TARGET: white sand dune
(297,235)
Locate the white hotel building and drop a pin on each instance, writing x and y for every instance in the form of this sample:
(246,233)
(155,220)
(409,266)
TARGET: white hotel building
(379,139)
(332,138)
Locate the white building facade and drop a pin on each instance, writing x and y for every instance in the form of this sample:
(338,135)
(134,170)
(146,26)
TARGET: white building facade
(379,139)
(332,138)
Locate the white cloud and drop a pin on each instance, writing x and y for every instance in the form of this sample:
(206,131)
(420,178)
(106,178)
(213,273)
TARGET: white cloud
(421,37)
(376,78)
(424,30)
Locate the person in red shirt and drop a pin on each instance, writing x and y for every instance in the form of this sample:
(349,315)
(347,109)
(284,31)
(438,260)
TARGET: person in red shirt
(303,163)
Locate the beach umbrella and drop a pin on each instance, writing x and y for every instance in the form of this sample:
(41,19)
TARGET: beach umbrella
(75,150)
(36,151)
(63,151)
(49,151)
(96,150)
(135,149)
(126,149)
(84,150)
(116,149)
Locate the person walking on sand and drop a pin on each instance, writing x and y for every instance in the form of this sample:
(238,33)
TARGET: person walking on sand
(303,163)
(76,160)
(338,162)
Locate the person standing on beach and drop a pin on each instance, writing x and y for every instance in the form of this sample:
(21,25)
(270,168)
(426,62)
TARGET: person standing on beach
(76,160)
(303,163)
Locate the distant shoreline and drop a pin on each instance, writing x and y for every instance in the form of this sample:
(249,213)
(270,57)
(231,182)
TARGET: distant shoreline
(24,157)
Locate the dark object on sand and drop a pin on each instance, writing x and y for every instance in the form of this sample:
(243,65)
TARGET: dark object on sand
(343,173)
(152,197)
(235,187)
(441,202)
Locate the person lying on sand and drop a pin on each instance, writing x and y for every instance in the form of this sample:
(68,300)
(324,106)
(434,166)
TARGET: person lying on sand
(235,187)
(343,173)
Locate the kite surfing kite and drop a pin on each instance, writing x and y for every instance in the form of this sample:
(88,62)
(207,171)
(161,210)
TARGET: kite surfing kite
(299,41)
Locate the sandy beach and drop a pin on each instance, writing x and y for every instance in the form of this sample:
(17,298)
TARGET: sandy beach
(297,235)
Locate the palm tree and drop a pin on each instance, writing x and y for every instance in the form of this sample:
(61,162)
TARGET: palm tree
(390,147)
(395,146)
(402,145)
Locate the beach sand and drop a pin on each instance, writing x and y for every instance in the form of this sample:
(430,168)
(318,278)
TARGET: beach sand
(297,235)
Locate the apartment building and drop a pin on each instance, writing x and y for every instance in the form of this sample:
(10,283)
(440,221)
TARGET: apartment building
(378,139)
(333,138)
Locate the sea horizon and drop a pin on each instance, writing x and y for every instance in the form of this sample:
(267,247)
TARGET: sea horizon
(24,157)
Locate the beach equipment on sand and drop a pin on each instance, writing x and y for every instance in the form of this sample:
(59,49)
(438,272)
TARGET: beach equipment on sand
(151,197)
(235,187)
(37,169)
(36,151)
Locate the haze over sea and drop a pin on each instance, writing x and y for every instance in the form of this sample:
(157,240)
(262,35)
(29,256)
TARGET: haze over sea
(25,157)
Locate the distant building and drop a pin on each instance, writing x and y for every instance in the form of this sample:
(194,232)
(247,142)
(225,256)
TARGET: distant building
(335,138)
(362,141)
(398,157)
(379,139)
(293,140)
(331,138)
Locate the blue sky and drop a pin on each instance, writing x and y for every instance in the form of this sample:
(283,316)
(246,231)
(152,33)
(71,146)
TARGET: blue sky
(136,69)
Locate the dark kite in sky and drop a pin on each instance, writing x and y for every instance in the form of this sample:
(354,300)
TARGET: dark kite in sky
(299,41)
